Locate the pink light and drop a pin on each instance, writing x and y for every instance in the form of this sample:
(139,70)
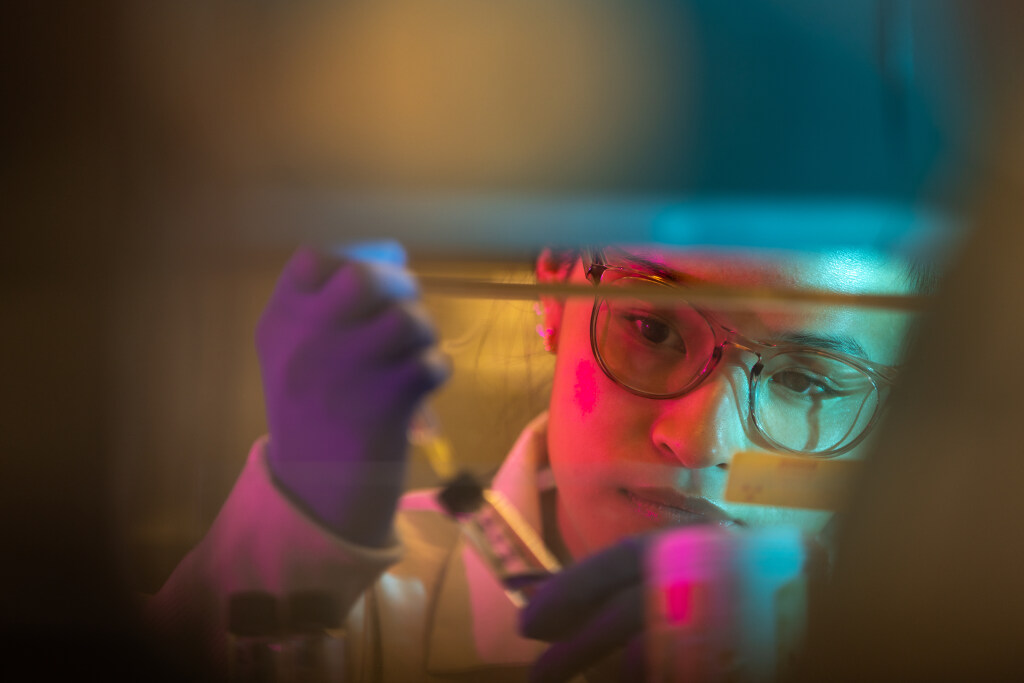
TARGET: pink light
(683,602)
(586,387)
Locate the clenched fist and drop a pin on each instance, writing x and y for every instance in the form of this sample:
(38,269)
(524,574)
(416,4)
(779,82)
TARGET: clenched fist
(347,353)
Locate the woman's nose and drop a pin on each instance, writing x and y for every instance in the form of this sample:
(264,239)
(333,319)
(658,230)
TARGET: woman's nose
(705,427)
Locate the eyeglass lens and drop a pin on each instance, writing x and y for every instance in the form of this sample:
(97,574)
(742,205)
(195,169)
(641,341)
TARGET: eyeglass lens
(802,400)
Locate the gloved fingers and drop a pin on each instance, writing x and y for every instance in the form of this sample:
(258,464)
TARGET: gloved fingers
(620,620)
(420,375)
(562,603)
(308,269)
(398,331)
(356,291)
(339,289)
(363,373)
(374,398)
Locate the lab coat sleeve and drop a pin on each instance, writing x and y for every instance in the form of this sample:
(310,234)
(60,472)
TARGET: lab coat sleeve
(260,540)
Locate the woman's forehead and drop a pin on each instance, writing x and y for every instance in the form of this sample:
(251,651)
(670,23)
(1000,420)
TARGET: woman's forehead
(846,271)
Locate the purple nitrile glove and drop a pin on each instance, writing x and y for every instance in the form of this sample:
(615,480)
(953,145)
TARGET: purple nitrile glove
(602,606)
(346,353)
(588,611)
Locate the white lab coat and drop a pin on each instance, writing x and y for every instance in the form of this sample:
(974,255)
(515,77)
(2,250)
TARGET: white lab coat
(426,609)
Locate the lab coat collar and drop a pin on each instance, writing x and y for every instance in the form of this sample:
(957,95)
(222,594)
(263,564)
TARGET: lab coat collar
(469,594)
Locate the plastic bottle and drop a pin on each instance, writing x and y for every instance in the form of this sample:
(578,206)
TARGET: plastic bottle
(315,643)
(725,605)
(508,545)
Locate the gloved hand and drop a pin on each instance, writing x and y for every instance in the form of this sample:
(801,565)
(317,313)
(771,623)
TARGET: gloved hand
(589,610)
(346,354)
(595,611)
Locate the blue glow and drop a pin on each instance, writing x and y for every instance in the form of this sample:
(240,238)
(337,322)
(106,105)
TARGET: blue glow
(506,224)
(378,251)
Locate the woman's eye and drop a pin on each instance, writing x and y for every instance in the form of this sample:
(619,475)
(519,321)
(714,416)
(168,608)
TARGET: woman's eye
(801,383)
(657,331)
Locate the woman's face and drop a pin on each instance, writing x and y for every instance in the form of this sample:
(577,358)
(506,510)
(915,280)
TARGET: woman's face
(625,464)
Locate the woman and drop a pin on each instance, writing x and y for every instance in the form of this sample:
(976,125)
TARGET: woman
(649,403)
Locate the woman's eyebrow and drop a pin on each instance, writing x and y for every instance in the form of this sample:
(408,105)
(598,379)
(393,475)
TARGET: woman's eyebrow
(826,342)
(659,269)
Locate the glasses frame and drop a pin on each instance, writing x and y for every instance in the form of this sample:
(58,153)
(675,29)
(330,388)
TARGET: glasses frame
(882,377)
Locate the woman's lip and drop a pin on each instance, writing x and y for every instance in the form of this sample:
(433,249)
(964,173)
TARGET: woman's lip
(672,506)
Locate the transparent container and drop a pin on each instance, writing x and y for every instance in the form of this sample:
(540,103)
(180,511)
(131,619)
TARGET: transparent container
(316,645)
(509,546)
(725,605)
